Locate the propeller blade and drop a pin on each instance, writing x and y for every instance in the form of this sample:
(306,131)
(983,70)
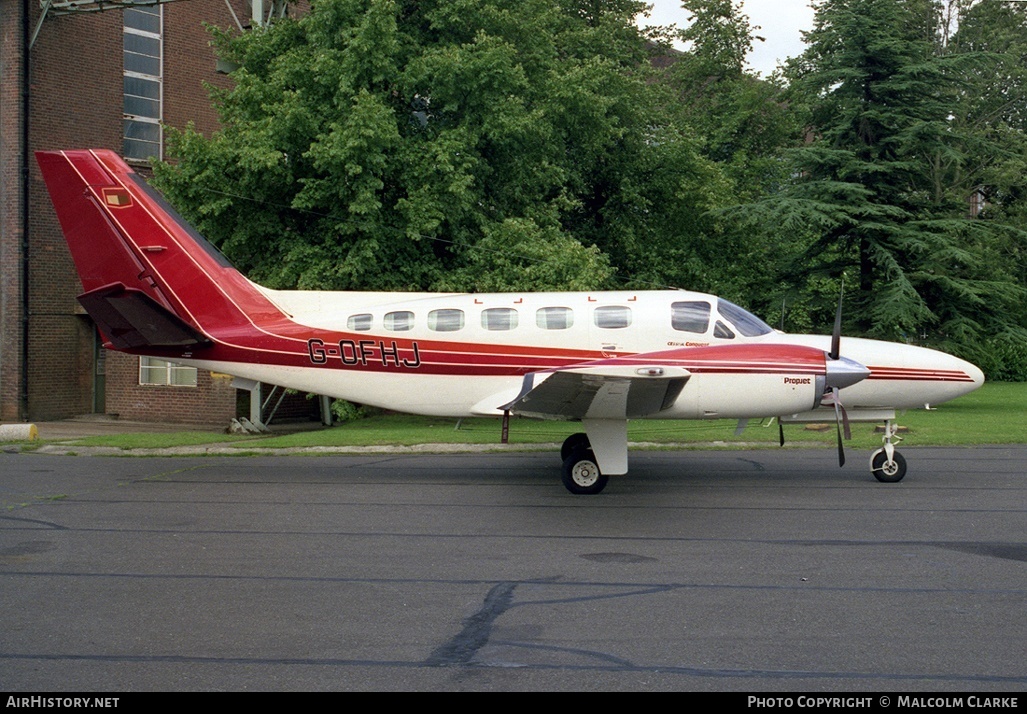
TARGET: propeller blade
(845,421)
(781,431)
(836,335)
(838,419)
(742,423)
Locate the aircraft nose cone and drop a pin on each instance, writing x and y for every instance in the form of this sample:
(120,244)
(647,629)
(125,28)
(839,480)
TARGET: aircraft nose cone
(972,371)
(844,372)
(975,374)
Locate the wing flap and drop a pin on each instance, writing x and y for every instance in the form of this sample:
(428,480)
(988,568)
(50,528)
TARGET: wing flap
(603,392)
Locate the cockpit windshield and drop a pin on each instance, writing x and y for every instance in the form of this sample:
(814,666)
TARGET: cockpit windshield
(743,320)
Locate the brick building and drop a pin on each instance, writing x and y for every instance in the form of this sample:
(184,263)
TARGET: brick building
(92,79)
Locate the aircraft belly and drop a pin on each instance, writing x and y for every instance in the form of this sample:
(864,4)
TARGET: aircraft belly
(899,394)
(446,395)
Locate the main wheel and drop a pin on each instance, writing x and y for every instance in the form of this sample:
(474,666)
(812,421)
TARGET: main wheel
(581,474)
(887,471)
(572,442)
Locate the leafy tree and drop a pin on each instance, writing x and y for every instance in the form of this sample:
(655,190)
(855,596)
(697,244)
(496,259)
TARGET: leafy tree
(742,119)
(402,144)
(742,123)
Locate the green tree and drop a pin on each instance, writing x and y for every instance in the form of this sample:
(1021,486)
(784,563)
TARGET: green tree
(742,124)
(402,144)
(741,118)
(880,96)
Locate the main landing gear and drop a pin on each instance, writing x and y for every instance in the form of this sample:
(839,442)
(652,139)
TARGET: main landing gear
(886,464)
(581,474)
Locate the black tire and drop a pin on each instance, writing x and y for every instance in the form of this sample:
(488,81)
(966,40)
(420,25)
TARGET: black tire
(581,474)
(572,442)
(886,472)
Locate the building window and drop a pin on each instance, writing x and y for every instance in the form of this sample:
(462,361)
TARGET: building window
(168,374)
(978,202)
(143,88)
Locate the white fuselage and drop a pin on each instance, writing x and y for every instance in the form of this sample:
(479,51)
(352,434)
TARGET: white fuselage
(501,329)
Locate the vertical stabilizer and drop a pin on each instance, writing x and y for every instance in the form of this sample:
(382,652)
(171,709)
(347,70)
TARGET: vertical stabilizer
(149,277)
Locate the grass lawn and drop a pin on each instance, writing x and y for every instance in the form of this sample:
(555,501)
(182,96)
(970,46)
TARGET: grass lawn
(994,414)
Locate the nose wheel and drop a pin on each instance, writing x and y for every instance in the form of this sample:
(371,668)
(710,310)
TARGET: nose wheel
(886,464)
(888,470)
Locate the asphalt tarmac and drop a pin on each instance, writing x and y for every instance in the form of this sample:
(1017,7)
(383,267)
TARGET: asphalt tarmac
(764,570)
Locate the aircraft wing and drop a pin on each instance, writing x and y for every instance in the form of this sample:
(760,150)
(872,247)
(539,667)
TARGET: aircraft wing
(746,379)
(601,391)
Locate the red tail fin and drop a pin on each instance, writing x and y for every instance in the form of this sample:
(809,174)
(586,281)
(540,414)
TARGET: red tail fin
(150,279)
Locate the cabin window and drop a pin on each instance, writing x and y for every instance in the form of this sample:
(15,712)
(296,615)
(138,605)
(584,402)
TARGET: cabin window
(612,317)
(499,318)
(157,372)
(446,320)
(359,323)
(399,321)
(554,318)
(690,316)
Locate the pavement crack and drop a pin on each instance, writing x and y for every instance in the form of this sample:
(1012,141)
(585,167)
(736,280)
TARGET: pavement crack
(476,631)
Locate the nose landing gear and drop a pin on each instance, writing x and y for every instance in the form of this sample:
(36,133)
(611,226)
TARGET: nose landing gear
(886,464)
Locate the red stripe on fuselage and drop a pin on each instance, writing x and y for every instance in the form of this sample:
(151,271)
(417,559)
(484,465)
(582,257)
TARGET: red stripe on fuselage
(475,359)
(918,375)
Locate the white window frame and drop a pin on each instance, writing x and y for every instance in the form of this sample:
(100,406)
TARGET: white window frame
(159,79)
(174,374)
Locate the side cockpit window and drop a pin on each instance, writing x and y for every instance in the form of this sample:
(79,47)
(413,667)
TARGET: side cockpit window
(690,316)
(723,331)
(743,320)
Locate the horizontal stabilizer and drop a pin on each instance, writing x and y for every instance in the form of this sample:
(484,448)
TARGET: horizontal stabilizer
(131,319)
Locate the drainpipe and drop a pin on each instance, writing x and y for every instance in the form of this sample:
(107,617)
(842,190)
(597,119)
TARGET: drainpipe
(26,39)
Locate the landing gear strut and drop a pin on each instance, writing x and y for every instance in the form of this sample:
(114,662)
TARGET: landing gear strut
(886,464)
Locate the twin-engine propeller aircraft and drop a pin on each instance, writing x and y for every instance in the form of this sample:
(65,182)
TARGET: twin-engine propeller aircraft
(156,287)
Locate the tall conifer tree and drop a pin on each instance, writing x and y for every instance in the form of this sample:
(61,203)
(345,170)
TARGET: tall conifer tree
(880,97)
